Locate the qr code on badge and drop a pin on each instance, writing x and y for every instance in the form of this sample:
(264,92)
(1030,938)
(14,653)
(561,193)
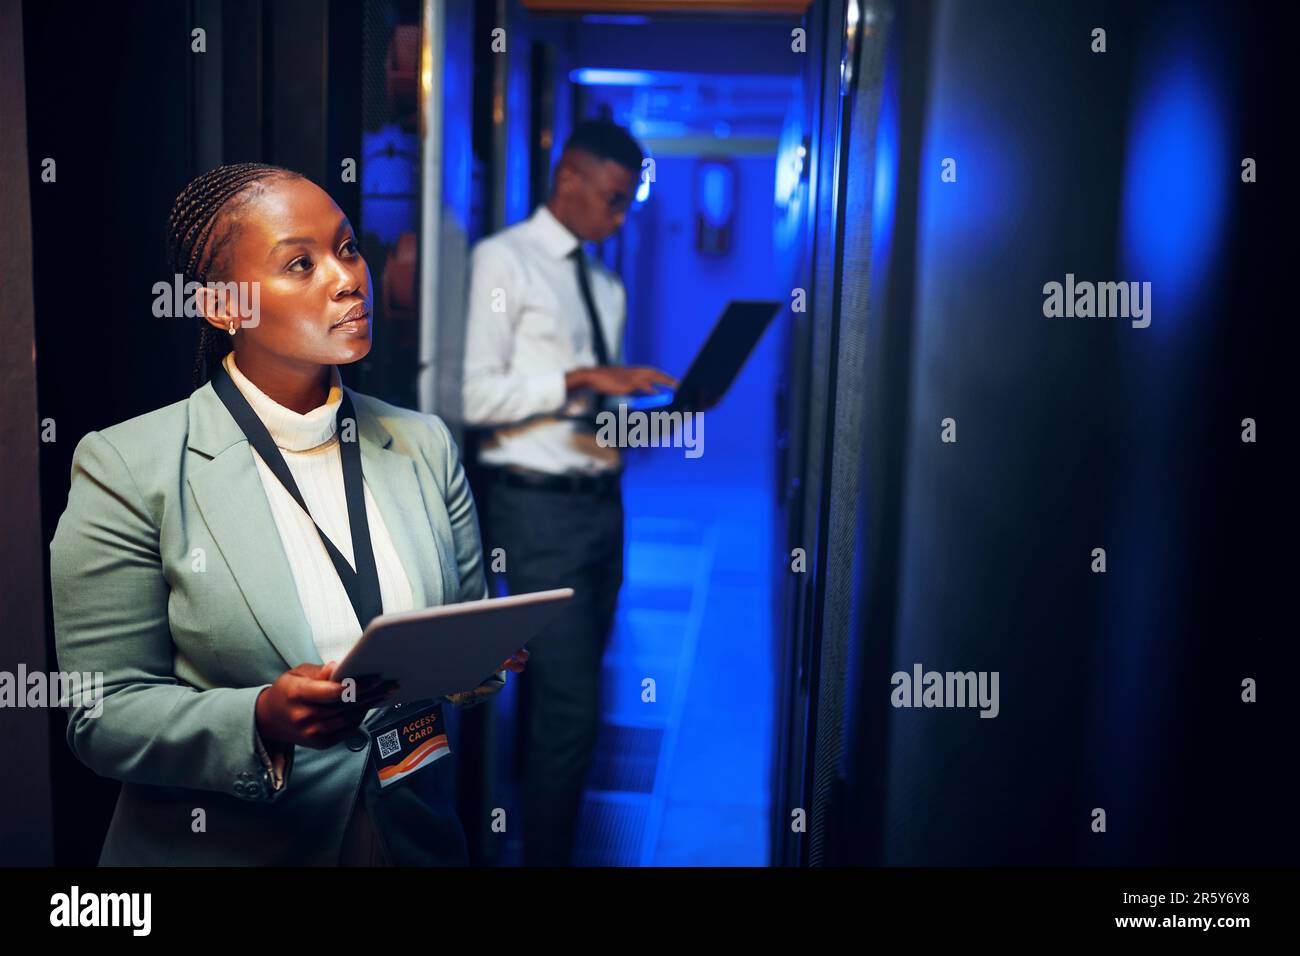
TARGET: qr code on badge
(389,744)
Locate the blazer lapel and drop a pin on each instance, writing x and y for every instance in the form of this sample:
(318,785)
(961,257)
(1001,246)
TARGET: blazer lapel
(230,496)
(229,493)
(396,490)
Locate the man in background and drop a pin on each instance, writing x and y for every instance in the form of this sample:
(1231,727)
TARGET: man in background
(543,342)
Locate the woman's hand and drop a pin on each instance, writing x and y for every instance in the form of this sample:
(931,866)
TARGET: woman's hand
(304,706)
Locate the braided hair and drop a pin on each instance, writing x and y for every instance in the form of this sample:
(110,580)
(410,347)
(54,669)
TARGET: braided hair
(200,229)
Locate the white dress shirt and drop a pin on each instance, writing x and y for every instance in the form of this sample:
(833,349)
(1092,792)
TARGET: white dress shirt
(527,326)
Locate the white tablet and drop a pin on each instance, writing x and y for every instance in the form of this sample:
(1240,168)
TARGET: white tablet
(443,650)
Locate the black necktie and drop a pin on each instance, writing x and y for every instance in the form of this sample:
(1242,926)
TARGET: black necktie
(584,286)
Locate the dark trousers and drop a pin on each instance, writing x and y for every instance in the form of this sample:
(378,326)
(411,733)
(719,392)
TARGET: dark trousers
(412,822)
(556,539)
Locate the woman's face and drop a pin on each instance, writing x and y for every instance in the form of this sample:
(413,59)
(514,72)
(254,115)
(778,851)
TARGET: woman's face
(296,244)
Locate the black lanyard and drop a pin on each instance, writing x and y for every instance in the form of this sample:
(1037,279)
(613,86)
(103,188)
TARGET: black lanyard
(361,584)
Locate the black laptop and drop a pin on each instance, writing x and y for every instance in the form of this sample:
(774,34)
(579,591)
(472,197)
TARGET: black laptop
(717,363)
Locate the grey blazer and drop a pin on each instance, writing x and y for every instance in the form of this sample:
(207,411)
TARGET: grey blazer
(169,578)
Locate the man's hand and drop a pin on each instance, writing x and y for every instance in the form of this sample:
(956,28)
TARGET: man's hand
(515,662)
(618,379)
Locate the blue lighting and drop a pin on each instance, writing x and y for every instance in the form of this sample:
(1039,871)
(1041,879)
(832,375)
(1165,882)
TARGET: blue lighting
(986,200)
(885,184)
(617,19)
(716,188)
(591,76)
(1176,178)
(643,190)
(389,183)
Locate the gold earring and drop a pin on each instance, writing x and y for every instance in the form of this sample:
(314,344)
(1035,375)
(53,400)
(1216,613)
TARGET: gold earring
(232,327)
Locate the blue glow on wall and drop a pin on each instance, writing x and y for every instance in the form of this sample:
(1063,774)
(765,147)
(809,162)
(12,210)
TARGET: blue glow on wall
(457,106)
(389,192)
(1177,172)
(715,193)
(518,196)
(885,179)
(987,201)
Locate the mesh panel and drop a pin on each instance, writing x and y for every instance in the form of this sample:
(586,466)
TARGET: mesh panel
(853,280)
(389,175)
(378,20)
(820,385)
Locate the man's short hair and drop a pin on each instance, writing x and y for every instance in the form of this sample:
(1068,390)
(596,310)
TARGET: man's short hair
(605,139)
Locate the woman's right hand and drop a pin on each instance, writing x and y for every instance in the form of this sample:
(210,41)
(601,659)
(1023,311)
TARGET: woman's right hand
(305,706)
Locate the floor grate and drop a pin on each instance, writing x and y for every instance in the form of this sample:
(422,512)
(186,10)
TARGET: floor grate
(626,759)
(611,831)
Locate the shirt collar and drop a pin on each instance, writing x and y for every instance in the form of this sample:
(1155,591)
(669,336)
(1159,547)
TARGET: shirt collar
(290,430)
(552,234)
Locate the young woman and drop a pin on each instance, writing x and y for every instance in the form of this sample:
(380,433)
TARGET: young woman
(220,555)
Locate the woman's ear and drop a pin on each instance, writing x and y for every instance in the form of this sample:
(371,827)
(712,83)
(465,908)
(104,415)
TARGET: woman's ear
(216,305)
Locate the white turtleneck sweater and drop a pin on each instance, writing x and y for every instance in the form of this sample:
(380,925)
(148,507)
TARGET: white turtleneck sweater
(311,450)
